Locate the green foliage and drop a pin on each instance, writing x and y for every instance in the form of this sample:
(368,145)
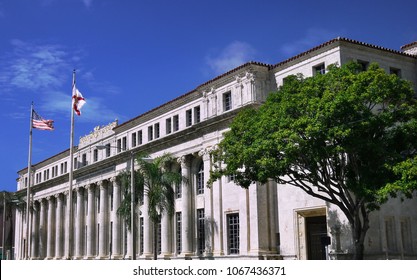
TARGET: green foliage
(153,179)
(348,137)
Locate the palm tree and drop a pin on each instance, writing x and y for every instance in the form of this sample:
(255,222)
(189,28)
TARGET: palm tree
(153,179)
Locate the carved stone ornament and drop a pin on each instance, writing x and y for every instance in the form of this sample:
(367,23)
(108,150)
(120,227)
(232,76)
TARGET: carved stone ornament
(97,133)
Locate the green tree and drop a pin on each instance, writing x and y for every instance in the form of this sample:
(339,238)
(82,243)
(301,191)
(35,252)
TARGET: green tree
(347,137)
(155,180)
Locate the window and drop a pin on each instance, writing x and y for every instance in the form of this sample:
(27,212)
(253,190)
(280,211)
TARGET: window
(178,241)
(200,231)
(168,124)
(141,236)
(188,118)
(134,139)
(390,234)
(227,101)
(95,155)
(108,150)
(363,64)
(233,233)
(406,236)
(159,238)
(395,71)
(124,143)
(176,123)
(319,69)
(119,145)
(63,168)
(84,160)
(150,133)
(140,137)
(231,178)
(156,130)
(197,114)
(200,179)
(178,189)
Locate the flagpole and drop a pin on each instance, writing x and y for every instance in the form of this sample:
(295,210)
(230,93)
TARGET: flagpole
(26,253)
(70,179)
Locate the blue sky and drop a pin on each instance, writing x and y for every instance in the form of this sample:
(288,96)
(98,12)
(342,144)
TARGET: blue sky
(134,55)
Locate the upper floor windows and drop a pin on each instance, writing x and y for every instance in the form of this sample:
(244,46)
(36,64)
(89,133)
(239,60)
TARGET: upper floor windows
(150,133)
(134,135)
(197,114)
(395,71)
(188,118)
(156,130)
(168,126)
(319,69)
(140,139)
(363,64)
(95,155)
(175,123)
(227,101)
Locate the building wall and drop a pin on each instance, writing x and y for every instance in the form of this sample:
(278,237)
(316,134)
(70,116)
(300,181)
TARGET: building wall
(263,221)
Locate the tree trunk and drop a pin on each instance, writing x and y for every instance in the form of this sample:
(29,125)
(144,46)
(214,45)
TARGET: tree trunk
(359,230)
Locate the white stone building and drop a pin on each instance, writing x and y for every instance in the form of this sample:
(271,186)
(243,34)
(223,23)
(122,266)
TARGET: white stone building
(224,221)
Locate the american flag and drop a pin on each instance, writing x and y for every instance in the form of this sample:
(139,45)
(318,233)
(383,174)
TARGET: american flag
(40,123)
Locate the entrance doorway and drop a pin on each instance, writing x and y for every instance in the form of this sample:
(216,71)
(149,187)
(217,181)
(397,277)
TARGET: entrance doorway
(316,233)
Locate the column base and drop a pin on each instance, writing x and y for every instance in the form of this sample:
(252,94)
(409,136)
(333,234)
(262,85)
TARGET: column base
(116,257)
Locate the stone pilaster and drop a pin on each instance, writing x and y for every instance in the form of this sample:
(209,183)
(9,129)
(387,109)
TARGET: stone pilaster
(116,230)
(59,222)
(186,207)
(103,221)
(51,229)
(79,224)
(91,225)
(35,231)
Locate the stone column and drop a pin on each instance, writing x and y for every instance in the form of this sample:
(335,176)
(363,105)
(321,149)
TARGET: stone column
(103,240)
(208,205)
(166,234)
(147,229)
(186,207)
(51,230)
(91,229)
(79,226)
(42,230)
(59,242)
(35,231)
(117,237)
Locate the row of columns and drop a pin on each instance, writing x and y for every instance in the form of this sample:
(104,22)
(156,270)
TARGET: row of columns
(91,231)
(98,231)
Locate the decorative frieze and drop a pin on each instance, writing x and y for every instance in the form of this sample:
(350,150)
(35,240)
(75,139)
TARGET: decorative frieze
(98,133)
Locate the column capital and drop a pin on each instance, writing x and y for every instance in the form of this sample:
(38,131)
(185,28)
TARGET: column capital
(79,189)
(89,187)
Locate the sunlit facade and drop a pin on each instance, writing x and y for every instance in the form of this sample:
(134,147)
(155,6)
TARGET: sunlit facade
(224,221)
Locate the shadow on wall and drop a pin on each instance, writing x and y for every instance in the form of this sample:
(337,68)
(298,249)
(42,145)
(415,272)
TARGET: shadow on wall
(341,243)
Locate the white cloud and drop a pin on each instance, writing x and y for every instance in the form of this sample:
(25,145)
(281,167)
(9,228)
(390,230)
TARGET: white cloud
(87,3)
(231,56)
(313,37)
(34,67)
(44,72)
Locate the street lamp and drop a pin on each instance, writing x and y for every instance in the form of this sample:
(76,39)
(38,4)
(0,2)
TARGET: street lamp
(132,201)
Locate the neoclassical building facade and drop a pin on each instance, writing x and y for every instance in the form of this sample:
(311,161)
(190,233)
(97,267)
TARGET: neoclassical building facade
(265,221)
